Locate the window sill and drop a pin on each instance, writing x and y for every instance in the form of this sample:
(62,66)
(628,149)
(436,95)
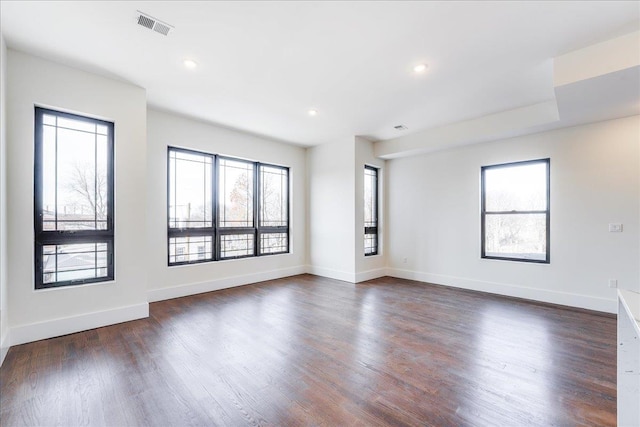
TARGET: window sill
(520,261)
(82,285)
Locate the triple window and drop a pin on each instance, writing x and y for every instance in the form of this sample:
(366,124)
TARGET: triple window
(515,211)
(223,208)
(73,199)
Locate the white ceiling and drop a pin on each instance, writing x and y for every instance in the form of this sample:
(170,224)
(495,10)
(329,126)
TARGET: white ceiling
(262,65)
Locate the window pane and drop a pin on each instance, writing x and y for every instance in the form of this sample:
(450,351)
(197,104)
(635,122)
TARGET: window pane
(74,262)
(190,249)
(520,236)
(273,196)
(516,188)
(102,155)
(49,119)
(79,125)
(271,243)
(102,129)
(74,177)
(370,210)
(190,190)
(49,177)
(370,244)
(236,193)
(236,245)
(76,187)
(370,197)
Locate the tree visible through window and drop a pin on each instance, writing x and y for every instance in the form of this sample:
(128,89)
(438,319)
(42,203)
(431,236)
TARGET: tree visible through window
(236,208)
(191,225)
(73,199)
(515,211)
(221,208)
(274,209)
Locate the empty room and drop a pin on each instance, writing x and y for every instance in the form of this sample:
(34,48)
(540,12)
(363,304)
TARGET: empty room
(319,213)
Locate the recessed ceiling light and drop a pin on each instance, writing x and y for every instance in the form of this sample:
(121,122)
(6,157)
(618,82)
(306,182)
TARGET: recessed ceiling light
(420,68)
(312,112)
(190,63)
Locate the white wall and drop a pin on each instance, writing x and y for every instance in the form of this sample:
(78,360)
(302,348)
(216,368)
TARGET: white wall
(368,267)
(335,174)
(434,218)
(331,204)
(597,60)
(165,129)
(45,313)
(4,326)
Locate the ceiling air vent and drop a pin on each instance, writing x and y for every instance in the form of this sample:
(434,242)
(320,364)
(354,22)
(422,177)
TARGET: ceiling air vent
(153,24)
(400,127)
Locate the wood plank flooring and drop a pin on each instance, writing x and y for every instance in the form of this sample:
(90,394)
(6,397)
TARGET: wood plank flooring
(310,351)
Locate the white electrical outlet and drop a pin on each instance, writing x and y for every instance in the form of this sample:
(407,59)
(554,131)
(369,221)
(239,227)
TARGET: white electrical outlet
(404,260)
(615,228)
(613,283)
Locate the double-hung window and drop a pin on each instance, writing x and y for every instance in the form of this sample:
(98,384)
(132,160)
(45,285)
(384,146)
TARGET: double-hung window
(370,210)
(224,208)
(73,199)
(515,214)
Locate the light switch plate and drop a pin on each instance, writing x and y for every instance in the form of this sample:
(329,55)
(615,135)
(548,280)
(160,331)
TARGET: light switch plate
(615,228)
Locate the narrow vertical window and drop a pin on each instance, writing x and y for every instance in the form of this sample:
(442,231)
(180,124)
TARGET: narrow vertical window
(370,210)
(73,199)
(515,214)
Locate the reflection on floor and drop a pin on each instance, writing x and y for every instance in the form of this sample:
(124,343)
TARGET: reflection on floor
(307,350)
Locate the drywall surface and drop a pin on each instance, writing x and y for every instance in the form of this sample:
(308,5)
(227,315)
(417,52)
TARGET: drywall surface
(434,216)
(597,60)
(4,325)
(166,129)
(43,313)
(331,199)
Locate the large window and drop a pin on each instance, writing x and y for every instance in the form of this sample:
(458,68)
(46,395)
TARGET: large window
(370,210)
(191,221)
(515,211)
(223,208)
(73,199)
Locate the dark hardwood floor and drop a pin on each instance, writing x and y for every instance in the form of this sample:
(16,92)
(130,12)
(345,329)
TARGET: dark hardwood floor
(313,351)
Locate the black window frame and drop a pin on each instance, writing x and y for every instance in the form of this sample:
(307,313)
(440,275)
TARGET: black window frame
(373,230)
(241,230)
(175,232)
(547,212)
(261,229)
(216,231)
(61,237)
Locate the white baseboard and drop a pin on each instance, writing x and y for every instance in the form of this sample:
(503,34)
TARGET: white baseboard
(331,274)
(224,283)
(370,274)
(69,325)
(536,294)
(4,347)
(346,276)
